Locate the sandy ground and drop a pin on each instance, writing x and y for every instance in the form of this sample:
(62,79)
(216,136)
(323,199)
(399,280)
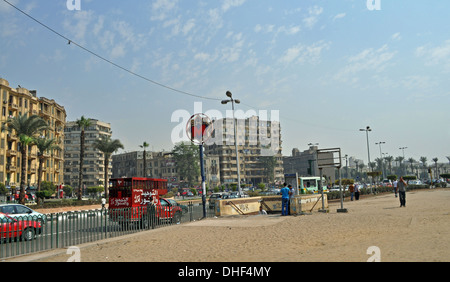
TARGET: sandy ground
(419,232)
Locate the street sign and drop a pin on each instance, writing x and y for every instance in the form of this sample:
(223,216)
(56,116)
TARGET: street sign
(199,128)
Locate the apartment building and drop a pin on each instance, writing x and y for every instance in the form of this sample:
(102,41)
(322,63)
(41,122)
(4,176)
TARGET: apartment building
(258,140)
(305,163)
(159,165)
(93,163)
(21,101)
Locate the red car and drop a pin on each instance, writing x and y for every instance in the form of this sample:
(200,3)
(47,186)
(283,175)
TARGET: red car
(15,228)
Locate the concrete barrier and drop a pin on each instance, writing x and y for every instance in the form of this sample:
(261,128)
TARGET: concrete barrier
(237,206)
(272,204)
(301,203)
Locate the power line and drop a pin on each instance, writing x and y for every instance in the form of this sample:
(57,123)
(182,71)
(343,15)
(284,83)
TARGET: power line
(71,42)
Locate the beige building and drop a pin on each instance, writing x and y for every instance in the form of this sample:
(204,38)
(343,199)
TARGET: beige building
(93,163)
(257,139)
(21,101)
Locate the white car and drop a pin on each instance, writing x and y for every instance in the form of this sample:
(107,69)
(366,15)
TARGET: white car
(21,212)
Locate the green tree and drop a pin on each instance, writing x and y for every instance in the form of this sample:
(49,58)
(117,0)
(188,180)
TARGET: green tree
(144,145)
(107,146)
(400,160)
(26,128)
(43,144)
(411,162)
(423,160)
(389,160)
(82,123)
(268,163)
(435,160)
(186,158)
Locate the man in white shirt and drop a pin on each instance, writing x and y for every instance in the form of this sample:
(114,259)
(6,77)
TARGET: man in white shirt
(395,187)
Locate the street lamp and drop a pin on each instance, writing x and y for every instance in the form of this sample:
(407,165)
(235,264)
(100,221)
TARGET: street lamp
(403,150)
(367,129)
(235,136)
(381,156)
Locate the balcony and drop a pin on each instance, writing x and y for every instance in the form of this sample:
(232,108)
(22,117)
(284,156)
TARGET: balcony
(12,137)
(13,106)
(11,167)
(11,152)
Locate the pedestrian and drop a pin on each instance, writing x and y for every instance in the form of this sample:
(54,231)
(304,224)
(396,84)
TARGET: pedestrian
(284,199)
(103,203)
(262,211)
(356,191)
(395,187)
(351,188)
(291,194)
(402,191)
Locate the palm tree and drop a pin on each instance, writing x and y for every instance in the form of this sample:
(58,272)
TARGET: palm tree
(435,160)
(25,128)
(107,147)
(389,160)
(145,145)
(43,144)
(82,123)
(411,161)
(423,160)
(400,159)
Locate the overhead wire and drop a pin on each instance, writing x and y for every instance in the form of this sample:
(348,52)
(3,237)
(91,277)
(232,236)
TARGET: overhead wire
(71,42)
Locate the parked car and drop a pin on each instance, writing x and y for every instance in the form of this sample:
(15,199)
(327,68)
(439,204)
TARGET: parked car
(22,212)
(184,208)
(169,210)
(14,228)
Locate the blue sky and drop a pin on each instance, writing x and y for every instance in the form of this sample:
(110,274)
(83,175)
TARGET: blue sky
(328,67)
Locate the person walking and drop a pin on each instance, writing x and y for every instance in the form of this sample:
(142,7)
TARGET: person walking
(284,199)
(291,195)
(395,187)
(351,188)
(103,203)
(356,191)
(401,185)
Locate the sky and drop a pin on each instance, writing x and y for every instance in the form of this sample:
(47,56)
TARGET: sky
(325,69)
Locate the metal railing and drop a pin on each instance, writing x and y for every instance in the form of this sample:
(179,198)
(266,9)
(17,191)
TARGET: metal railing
(20,236)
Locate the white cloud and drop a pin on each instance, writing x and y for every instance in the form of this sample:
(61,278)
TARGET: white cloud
(118,51)
(368,60)
(78,24)
(228,4)
(190,24)
(339,16)
(313,16)
(161,9)
(396,36)
(202,56)
(304,54)
(435,55)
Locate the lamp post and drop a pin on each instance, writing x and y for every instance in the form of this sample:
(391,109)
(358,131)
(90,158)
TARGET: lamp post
(381,156)
(228,93)
(403,150)
(367,129)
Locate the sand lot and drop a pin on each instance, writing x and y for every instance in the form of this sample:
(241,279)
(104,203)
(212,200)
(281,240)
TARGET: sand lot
(419,232)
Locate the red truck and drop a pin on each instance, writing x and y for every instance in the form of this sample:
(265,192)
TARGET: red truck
(133,199)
